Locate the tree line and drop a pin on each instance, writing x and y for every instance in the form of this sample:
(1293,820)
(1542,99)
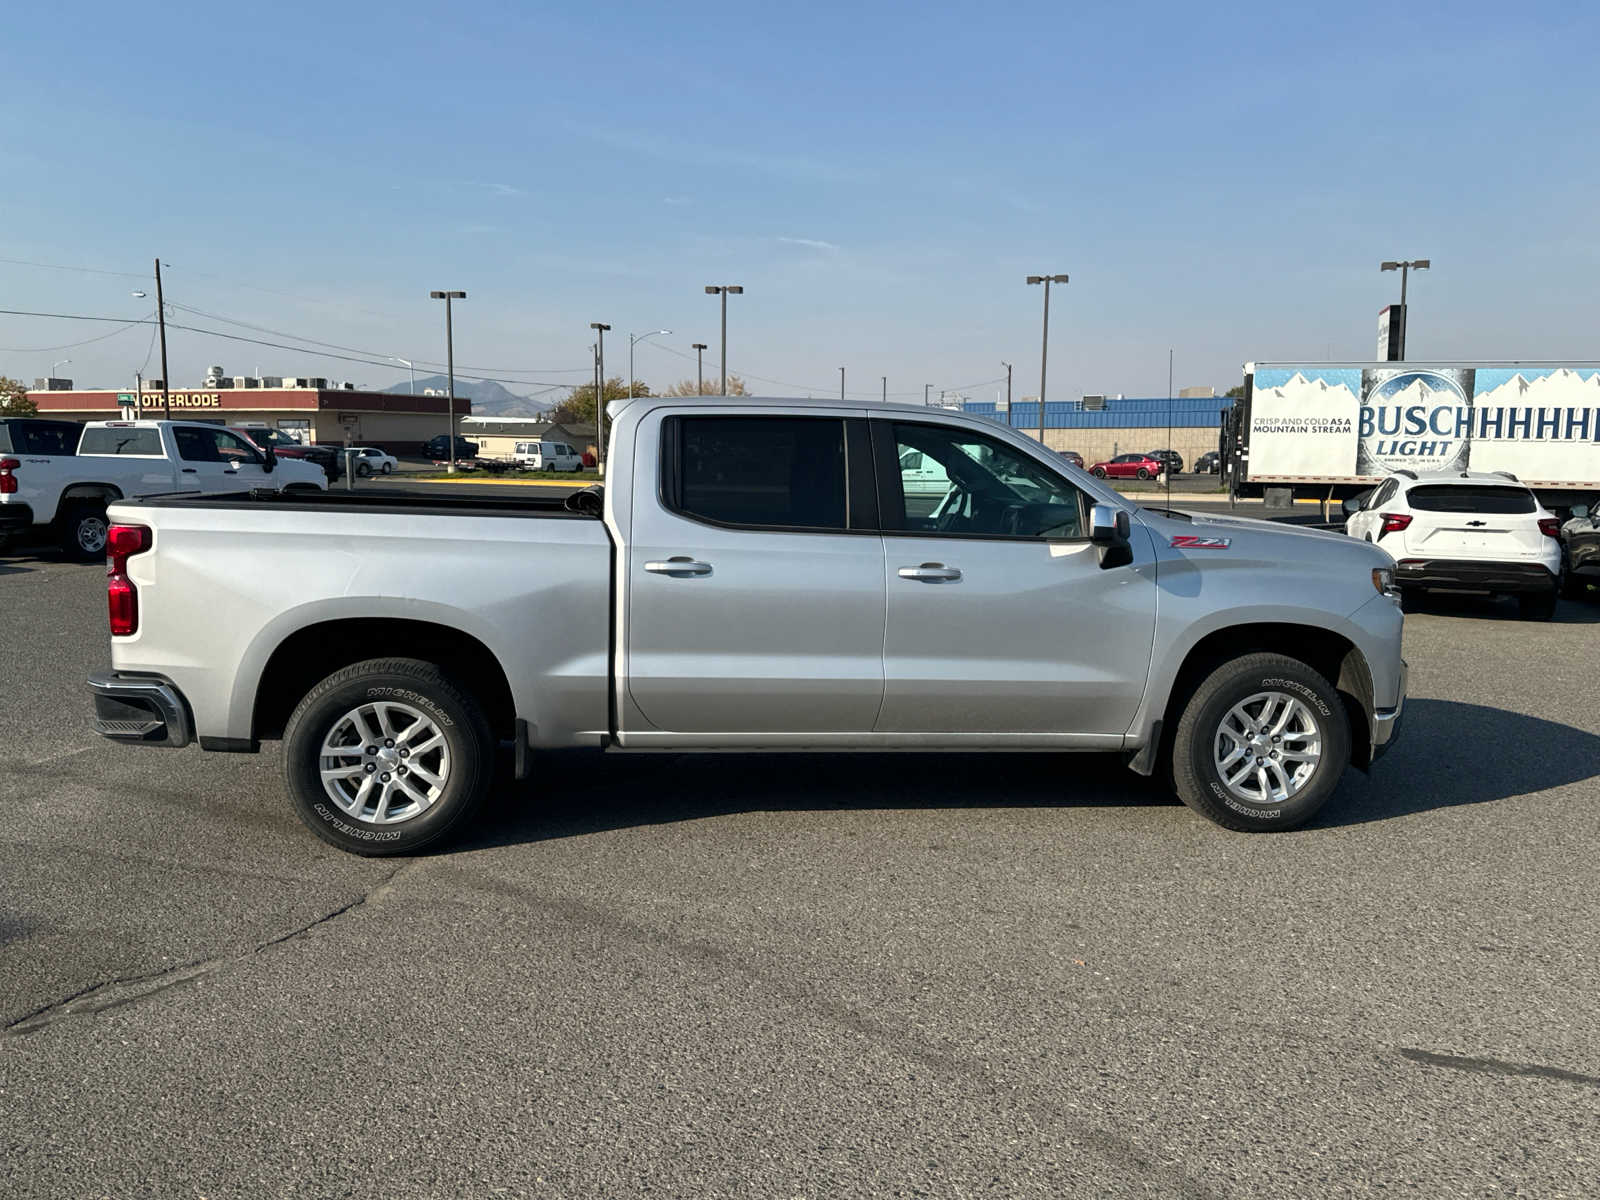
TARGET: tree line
(579,406)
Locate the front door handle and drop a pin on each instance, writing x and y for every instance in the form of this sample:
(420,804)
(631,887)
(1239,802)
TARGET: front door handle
(190,471)
(931,572)
(680,566)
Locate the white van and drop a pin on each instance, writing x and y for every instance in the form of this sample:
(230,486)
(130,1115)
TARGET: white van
(547,456)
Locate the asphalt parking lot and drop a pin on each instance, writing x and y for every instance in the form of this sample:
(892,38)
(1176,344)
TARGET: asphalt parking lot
(809,977)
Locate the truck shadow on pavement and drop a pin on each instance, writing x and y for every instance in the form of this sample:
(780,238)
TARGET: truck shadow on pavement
(1502,608)
(1449,754)
(604,792)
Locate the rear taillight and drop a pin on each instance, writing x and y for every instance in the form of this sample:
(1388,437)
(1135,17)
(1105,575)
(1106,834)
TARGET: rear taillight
(1550,527)
(122,599)
(8,480)
(1394,522)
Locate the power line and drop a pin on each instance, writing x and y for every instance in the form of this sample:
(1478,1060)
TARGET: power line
(370,353)
(23,262)
(21,312)
(69,345)
(372,362)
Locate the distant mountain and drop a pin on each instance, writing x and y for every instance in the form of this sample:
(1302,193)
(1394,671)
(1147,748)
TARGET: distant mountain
(489,398)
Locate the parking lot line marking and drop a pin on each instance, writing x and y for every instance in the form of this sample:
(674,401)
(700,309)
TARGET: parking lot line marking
(58,757)
(499,482)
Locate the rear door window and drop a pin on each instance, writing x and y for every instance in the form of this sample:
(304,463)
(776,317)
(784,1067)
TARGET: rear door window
(763,472)
(121,439)
(44,437)
(1472,498)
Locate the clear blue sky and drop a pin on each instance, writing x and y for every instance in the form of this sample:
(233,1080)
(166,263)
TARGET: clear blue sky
(1220,179)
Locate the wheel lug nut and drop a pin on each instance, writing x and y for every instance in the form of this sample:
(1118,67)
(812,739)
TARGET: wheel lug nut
(371,767)
(402,770)
(389,742)
(372,749)
(384,778)
(404,753)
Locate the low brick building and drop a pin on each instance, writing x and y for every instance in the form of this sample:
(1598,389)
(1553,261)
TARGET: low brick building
(315,413)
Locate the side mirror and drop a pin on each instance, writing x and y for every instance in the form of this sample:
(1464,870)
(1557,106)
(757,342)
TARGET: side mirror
(1109,525)
(1109,528)
(1580,511)
(1351,506)
(269,458)
(591,502)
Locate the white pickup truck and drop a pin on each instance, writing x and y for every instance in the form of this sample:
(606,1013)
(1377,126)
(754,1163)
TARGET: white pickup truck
(118,460)
(756,575)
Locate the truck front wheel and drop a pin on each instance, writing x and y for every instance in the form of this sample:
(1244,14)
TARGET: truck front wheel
(387,756)
(1261,744)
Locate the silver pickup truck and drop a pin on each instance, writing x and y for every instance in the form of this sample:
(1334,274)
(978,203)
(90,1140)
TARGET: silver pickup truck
(755,575)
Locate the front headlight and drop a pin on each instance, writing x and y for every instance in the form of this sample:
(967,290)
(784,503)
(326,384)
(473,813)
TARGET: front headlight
(1383,580)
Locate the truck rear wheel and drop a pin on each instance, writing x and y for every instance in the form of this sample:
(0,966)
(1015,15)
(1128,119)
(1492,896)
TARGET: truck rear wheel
(1261,744)
(82,528)
(387,756)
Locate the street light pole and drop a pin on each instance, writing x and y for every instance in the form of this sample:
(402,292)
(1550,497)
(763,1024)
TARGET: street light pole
(1416,264)
(726,290)
(886,389)
(926,388)
(1007,366)
(633,339)
(406,363)
(161,313)
(699,349)
(450,363)
(600,396)
(1044,349)
(841,383)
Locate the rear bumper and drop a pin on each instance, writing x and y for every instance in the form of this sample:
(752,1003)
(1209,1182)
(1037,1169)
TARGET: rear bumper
(140,708)
(1468,575)
(1386,721)
(15,517)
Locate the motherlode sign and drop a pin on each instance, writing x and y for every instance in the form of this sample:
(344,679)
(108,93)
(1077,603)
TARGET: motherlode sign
(1361,422)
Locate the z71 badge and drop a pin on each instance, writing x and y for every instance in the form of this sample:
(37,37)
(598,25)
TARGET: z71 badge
(1188,541)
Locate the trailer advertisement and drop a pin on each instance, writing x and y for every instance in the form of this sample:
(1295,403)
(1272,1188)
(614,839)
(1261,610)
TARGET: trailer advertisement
(1356,423)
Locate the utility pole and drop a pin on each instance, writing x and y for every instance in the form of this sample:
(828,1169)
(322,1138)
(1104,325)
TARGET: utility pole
(1044,350)
(161,314)
(725,289)
(450,363)
(600,395)
(886,389)
(699,369)
(1007,366)
(926,388)
(841,383)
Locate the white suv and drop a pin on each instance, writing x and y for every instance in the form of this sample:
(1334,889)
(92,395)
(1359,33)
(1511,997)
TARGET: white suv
(1464,532)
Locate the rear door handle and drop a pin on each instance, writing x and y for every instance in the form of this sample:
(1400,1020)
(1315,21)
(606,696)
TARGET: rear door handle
(191,470)
(680,566)
(931,572)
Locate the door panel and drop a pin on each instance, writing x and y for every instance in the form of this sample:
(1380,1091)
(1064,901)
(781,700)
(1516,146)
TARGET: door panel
(1000,617)
(731,629)
(1032,638)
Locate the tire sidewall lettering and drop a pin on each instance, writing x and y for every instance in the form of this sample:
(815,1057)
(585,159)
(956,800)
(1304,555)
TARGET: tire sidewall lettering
(352,831)
(410,697)
(1306,690)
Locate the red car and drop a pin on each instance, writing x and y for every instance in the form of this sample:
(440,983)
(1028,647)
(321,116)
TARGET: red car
(1128,466)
